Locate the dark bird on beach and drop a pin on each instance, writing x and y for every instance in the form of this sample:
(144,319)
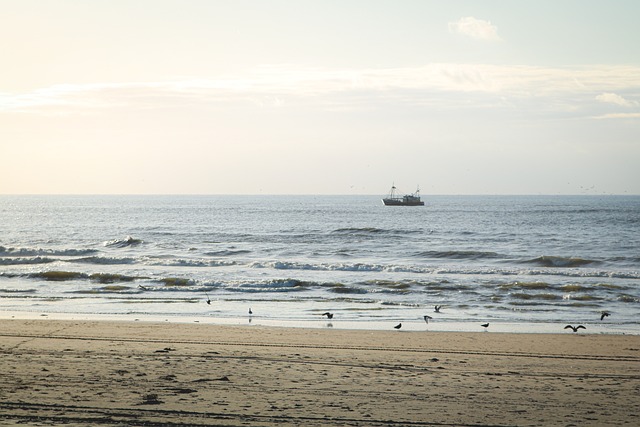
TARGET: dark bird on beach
(485,326)
(329,315)
(574,328)
(426,318)
(437,308)
(208,300)
(604,314)
(398,326)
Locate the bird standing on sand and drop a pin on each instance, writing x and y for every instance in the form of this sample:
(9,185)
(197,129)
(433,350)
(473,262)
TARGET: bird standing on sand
(485,326)
(398,326)
(437,308)
(574,328)
(604,314)
(329,315)
(426,318)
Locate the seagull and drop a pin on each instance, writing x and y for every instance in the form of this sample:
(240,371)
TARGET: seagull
(398,326)
(437,308)
(485,326)
(426,318)
(208,300)
(604,314)
(329,315)
(575,328)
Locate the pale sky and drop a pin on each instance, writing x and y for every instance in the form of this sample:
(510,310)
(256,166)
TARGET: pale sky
(319,97)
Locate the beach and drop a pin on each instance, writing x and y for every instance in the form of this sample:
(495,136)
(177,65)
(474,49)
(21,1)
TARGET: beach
(171,374)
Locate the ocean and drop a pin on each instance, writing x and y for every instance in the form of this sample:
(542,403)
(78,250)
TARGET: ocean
(519,263)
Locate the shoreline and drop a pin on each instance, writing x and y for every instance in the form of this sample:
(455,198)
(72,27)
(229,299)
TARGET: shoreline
(412,324)
(156,373)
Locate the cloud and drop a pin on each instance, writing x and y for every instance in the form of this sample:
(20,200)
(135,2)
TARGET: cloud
(475,28)
(619,116)
(441,85)
(613,98)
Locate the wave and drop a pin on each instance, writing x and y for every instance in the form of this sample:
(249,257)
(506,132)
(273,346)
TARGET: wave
(274,285)
(29,252)
(228,252)
(21,260)
(182,262)
(542,296)
(372,231)
(290,265)
(525,285)
(458,255)
(558,261)
(123,243)
(63,276)
(396,268)
(105,260)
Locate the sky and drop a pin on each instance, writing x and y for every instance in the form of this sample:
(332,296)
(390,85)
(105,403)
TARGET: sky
(319,97)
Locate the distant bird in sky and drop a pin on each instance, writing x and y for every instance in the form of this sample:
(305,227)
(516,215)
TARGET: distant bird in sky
(426,318)
(437,308)
(398,326)
(329,315)
(604,314)
(485,326)
(208,300)
(574,328)
(250,312)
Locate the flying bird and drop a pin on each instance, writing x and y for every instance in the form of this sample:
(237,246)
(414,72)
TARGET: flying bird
(329,315)
(427,318)
(604,314)
(574,328)
(250,312)
(437,308)
(208,300)
(485,326)
(398,326)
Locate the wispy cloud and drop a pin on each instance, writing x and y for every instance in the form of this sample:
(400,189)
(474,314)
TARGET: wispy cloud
(614,98)
(438,84)
(475,28)
(619,116)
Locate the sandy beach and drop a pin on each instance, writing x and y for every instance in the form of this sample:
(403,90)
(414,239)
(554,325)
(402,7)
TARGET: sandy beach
(166,374)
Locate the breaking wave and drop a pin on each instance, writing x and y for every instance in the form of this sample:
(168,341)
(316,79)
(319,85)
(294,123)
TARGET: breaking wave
(21,260)
(29,252)
(123,243)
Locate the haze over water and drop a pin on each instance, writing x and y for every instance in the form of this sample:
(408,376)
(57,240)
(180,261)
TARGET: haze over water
(523,263)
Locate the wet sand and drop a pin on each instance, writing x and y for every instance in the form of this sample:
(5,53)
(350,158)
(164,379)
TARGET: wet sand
(78,373)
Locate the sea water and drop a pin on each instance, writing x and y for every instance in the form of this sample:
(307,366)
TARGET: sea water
(521,263)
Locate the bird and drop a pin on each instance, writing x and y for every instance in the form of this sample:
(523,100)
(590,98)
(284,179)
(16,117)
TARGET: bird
(426,318)
(329,315)
(485,326)
(574,328)
(398,326)
(250,312)
(208,300)
(604,314)
(437,308)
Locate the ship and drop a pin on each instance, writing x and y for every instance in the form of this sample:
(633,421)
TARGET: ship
(407,200)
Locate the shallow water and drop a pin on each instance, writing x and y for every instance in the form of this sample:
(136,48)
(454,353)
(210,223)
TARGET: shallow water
(519,262)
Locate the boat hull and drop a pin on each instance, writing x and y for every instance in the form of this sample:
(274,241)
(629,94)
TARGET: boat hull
(402,202)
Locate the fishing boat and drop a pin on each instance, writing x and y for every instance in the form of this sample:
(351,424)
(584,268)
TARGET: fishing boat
(407,200)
